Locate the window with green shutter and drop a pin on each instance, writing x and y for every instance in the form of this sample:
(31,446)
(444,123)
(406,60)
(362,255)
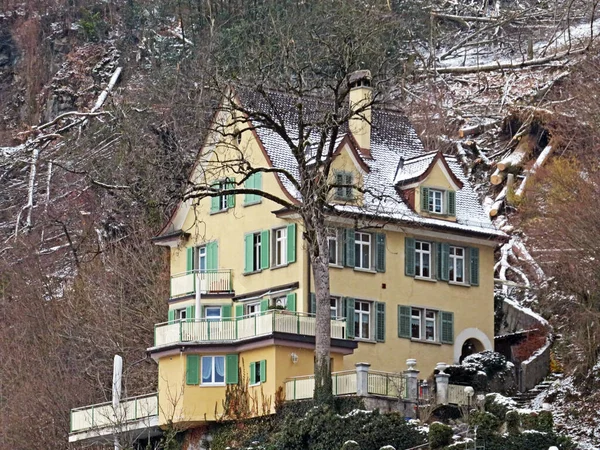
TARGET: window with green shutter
(264,305)
(291,243)
(189,266)
(447,327)
(424,199)
(212,255)
(190,313)
(404,321)
(345,182)
(264,249)
(258,372)
(350,331)
(474,266)
(409,256)
(171,316)
(451,210)
(239,310)
(192,369)
(380,321)
(291,302)
(254,181)
(263,371)
(380,252)
(220,203)
(231,369)
(256,251)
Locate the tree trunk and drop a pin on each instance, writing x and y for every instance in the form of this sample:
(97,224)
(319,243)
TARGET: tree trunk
(320,266)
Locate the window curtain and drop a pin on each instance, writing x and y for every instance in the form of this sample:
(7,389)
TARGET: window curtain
(220,369)
(207,369)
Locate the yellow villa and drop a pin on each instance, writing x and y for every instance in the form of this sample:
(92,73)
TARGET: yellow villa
(411,256)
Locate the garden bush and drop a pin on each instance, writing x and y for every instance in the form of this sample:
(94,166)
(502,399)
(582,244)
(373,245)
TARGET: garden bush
(440,435)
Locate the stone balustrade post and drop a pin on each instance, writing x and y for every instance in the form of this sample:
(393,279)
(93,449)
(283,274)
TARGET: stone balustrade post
(442,380)
(412,381)
(362,379)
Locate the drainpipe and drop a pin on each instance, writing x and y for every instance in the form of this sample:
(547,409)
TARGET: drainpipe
(198,297)
(309,279)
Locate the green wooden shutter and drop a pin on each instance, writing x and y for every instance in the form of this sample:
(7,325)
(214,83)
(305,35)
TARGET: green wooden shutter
(264,249)
(349,248)
(313,303)
(474,266)
(349,180)
(190,313)
(409,256)
(192,369)
(380,321)
(291,243)
(451,203)
(264,304)
(253,182)
(424,199)
(257,185)
(380,252)
(171,315)
(214,201)
(447,332)
(230,197)
(349,317)
(190,259)
(291,302)
(239,310)
(231,369)
(212,255)
(248,253)
(404,321)
(252,373)
(437,250)
(444,261)
(263,371)
(226,311)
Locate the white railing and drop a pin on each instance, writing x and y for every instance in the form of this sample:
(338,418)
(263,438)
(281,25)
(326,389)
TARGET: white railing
(299,388)
(386,384)
(104,415)
(210,281)
(343,383)
(457,395)
(240,328)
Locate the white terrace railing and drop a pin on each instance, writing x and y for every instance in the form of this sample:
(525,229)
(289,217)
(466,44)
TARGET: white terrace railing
(210,282)
(240,328)
(457,395)
(384,384)
(104,415)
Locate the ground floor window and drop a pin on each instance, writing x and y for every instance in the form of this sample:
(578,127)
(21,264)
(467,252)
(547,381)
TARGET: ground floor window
(213,369)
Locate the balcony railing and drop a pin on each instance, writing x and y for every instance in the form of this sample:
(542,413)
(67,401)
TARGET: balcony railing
(104,415)
(241,328)
(384,384)
(210,282)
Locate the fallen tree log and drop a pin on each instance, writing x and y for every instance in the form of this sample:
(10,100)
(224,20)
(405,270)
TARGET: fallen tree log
(497,177)
(519,155)
(495,209)
(539,162)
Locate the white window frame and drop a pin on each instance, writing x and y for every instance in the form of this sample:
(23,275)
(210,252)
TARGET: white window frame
(344,192)
(436,201)
(212,359)
(202,255)
(252,309)
(222,198)
(420,256)
(256,251)
(256,374)
(333,237)
(362,247)
(206,308)
(279,301)
(455,262)
(335,304)
(423,319)
(279,253)
(359,314)
(181,314)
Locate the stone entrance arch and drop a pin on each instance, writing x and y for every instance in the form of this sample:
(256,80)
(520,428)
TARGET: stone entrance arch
(470,340)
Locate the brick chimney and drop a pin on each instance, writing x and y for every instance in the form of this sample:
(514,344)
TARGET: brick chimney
(360,100)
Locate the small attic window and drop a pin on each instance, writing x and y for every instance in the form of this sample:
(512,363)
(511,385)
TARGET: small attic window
(238,137)
(344,181)
(438,201)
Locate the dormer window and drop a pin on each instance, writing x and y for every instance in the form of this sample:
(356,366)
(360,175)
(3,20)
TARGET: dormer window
(438,201)
(344,181)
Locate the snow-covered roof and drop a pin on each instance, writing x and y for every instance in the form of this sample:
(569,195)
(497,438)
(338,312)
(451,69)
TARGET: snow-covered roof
(392,138)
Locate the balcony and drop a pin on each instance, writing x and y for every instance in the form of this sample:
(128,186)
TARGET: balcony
(93,422)
(208,281)
(241,328)
(383,384)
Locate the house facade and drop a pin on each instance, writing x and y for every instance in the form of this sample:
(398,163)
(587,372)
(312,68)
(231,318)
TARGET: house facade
(411,255)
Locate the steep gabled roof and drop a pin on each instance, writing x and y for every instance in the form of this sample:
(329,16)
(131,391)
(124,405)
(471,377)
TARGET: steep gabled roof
(416,169)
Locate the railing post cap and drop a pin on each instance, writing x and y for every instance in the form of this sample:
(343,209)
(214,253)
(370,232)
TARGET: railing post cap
(362,364)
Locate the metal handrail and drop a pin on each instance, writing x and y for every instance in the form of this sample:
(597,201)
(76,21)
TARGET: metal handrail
(137,397)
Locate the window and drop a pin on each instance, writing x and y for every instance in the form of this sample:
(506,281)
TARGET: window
(258,372)
(213,370)
(252,309)
(222,202)
(279,302)
(362,319)
(254,251)
(335,307)
(279,247)
(362,251)
(438,201)
(425,324)
(332,244)
(344,182)
(457,264)
(212,312)
(180,314)
(435,201)
(202,258)
(423,259)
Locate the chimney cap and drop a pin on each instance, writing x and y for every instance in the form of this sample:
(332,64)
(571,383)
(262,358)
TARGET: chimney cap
(359,78)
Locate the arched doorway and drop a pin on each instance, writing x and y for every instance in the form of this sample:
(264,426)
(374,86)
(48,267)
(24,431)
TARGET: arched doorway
(469,347)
